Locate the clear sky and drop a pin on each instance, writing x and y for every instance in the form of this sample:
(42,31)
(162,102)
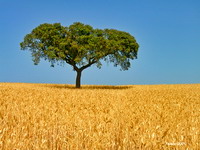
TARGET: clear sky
(168,32)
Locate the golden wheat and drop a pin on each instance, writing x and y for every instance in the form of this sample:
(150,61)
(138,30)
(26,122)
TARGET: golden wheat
(60,117)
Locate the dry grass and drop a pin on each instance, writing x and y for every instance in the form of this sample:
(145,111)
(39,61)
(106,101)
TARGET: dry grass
(50,117)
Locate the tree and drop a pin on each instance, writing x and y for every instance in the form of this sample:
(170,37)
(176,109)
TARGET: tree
(80,46)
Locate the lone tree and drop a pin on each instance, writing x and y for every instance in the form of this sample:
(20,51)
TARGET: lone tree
(80,46)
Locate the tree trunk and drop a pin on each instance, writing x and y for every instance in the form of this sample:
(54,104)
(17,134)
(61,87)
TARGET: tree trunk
(78,79)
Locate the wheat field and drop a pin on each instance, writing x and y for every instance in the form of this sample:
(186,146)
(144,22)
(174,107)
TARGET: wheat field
(60,117)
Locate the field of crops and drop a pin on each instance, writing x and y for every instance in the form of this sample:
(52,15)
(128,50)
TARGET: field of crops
(60,117)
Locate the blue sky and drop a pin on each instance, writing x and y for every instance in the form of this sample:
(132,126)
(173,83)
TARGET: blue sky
(168,33)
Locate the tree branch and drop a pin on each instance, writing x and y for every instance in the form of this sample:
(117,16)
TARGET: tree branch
(88,65)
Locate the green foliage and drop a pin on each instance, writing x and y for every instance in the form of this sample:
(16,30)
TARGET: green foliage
(80,45)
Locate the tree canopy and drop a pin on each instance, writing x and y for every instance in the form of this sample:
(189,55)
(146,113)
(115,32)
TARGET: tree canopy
(80,46)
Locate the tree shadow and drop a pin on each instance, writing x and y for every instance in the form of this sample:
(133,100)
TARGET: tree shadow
(90,87)
(112,87)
